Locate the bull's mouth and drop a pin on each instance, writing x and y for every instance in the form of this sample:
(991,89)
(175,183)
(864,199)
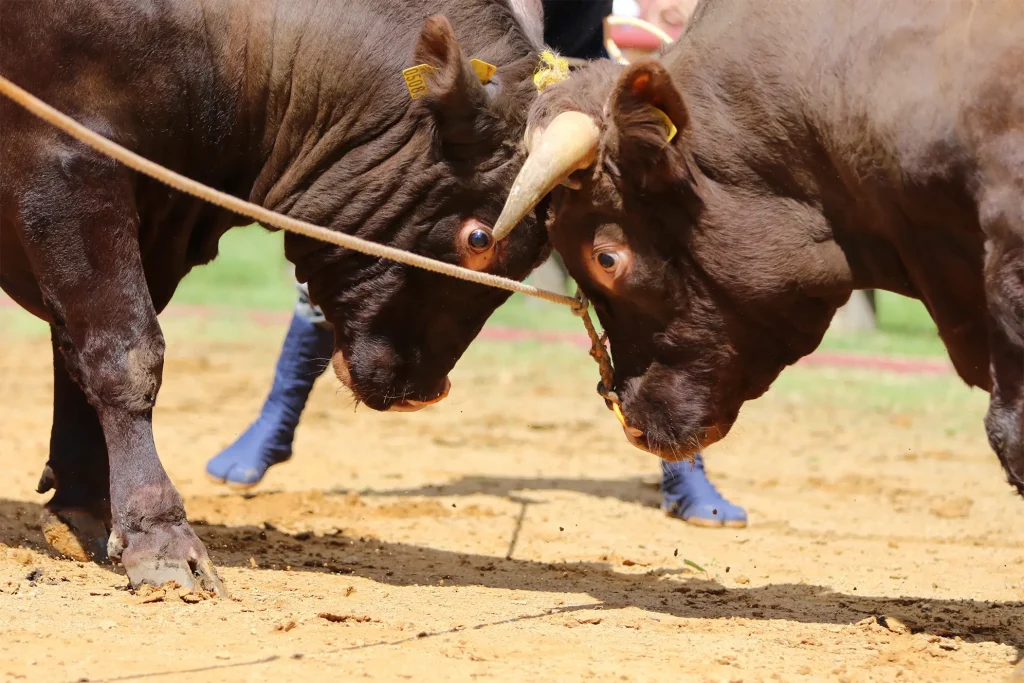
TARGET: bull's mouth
(674,453)
(402,405)
(341,370)
(408,405)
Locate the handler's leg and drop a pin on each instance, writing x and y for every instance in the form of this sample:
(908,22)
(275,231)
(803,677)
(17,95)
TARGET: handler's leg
(268,441)
(692,498)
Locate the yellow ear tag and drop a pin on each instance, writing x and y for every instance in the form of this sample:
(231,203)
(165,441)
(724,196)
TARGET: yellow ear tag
(670,128)
(416,76)
(484,71)
(618,413)
(416,79)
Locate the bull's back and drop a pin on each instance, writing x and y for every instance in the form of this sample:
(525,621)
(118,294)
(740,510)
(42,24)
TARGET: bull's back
(904,78)
(140,73)
(136,68)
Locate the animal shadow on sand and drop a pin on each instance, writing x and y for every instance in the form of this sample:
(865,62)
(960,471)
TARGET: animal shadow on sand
(663,591)
(643,491)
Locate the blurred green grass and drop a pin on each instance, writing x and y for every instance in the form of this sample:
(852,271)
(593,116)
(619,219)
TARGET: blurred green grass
(252,273)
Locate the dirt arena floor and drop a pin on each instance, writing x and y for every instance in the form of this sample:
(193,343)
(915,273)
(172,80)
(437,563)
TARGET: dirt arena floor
(511,534)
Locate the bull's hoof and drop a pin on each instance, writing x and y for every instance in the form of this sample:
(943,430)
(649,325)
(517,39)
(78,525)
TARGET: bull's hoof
(167,553)
(76,533)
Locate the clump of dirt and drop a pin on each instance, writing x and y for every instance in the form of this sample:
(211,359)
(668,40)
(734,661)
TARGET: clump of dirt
(347,618)
(171,592)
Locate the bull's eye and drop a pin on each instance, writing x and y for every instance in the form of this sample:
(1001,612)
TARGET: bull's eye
(479,240)
(607,261)
(475,245)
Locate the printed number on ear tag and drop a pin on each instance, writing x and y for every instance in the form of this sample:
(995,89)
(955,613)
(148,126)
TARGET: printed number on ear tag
(416,80)
(416,76)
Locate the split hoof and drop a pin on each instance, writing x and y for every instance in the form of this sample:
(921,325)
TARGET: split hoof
(168,553)
(195,577)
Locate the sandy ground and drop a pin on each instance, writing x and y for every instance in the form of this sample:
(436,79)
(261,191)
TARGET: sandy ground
(511,534)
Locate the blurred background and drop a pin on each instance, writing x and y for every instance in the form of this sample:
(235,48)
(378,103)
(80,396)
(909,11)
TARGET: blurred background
(251,280)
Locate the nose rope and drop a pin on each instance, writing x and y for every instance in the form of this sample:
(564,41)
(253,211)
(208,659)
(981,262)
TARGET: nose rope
(578,304)
(598,351)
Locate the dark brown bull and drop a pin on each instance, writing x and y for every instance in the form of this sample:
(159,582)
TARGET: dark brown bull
(823,146)
(299,106)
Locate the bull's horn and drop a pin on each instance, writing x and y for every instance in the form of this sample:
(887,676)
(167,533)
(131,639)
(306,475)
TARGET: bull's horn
(568,144)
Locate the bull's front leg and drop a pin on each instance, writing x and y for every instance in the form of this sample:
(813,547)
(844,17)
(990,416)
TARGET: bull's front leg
(113,346)
(82,237)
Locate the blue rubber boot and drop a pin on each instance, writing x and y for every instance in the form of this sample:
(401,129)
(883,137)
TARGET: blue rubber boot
(268,441)
(692,498)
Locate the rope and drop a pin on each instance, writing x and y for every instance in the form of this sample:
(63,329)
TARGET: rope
(578,304)
(599,352)
(613,50)
(260,214)
(641,24)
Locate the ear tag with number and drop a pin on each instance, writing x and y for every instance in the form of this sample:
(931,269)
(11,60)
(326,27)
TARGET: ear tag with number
(416,76)
(416,80)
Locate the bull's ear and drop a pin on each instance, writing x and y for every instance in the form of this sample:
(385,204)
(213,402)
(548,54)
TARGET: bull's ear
(455,95)
(650,122)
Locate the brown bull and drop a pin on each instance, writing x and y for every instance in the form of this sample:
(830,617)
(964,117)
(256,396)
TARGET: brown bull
(299,106)
(725,200)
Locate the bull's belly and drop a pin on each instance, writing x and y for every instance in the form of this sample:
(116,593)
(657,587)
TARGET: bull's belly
(18,281)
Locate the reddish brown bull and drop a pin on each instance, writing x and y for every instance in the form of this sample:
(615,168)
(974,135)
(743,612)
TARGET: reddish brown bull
(299,106)
(726,199)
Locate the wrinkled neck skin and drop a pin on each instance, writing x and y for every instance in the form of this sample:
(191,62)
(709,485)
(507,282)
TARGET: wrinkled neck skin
(315,94)
(847,209)
(332,134)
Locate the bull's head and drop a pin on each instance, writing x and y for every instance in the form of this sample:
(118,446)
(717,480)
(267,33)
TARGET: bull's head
(432,183)
(695,280)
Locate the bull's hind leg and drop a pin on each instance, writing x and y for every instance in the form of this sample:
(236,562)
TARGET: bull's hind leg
(76,521)
(1004,421)
(1001,212)
(81,233)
